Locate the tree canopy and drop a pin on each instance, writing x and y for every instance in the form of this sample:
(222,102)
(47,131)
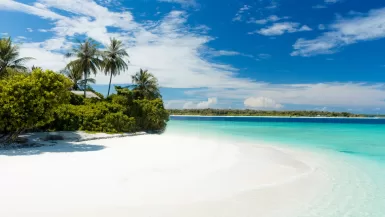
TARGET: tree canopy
(146,85)
(113,60)
(88,59)
(9,57)
(28,101)
(42,100)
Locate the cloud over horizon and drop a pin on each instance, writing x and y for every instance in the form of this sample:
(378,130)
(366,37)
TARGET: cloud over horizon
(182,56)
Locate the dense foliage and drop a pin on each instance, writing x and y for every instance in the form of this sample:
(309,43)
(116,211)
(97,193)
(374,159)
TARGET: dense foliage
(121,112)
(247,112)
(42,100)
(146,85)
(99,116)
(29,101)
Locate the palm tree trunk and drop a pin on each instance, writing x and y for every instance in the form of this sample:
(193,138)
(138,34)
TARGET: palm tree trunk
(109,86)
(85,84)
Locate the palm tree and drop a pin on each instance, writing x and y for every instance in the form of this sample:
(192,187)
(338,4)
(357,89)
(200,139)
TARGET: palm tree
(146,85)
(87,59)
(9,57)
(113,61)
(36,67)
(75,75)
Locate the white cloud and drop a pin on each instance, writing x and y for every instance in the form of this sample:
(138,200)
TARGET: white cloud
(29,30)
(282,28)
(207,104)
(350,95)
(319,6)
(332,1)
(264,56)
(240,13)
(182,2)
(326,3)
(201,105)
(225,53)
(169,48)
(189,105)
(271,18)
(272,4)
(172,51)
(344,32)
(261,103)
(216,53)
(321,108)
(321,27)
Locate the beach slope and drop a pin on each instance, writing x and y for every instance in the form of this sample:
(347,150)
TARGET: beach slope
(157,175)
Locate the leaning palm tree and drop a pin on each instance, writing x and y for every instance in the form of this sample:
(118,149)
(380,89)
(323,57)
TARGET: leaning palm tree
(75,75)
(87,59)
(146,85)
(113,60)
(9,57)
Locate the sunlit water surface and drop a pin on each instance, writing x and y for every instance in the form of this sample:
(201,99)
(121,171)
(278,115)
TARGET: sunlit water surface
(356,149)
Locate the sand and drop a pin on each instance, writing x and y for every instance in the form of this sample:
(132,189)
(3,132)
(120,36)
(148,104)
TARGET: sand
(159,175)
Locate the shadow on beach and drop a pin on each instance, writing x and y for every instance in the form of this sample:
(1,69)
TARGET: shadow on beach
(62,147)
(68,145)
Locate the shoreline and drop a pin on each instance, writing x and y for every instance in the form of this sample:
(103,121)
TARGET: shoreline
(277,117)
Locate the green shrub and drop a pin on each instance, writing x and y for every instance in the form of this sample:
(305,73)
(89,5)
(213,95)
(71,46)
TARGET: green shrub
(29,101)
(119,122)
(150,115)
(76,99)
(98,116)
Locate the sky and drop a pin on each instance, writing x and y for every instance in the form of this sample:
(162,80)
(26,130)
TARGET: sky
(254,54)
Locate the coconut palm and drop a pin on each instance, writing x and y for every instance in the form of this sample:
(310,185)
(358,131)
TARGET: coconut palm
(113,60)
(75,75)
(146,85)
(9,57)
(87,59)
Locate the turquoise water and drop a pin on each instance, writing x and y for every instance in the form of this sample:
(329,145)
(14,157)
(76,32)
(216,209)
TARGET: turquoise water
(356,151)
(367,140)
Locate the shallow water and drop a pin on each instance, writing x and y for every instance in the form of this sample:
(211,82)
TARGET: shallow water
(355,152)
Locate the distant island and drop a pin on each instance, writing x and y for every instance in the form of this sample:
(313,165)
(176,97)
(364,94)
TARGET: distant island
(249,112)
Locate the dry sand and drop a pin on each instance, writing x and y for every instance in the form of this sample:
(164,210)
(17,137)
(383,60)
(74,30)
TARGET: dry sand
(159,175)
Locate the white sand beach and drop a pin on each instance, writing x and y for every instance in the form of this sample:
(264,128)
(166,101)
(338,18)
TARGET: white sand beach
(159,175)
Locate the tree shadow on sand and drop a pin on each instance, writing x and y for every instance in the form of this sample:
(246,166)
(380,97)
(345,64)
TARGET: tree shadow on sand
(61,146)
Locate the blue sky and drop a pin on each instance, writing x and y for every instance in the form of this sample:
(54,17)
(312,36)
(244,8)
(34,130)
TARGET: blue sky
(257,54)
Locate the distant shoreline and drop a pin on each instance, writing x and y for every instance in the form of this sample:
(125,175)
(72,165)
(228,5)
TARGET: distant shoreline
(242,116)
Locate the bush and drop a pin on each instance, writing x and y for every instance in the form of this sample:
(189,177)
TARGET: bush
(99,116)
(119,122)
(150,114)
(76,99)
(29,101)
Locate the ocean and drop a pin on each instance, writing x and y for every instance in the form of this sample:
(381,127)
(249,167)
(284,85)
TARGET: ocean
(354,147)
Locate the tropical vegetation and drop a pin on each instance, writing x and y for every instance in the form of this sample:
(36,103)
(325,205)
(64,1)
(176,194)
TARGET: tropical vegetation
(88,59)
(9,58)
(113,60)
(249,112)
(146,85)
(36,99)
